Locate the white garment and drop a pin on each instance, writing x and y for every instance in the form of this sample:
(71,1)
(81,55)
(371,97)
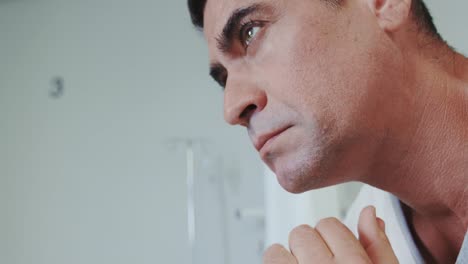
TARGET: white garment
(463,255)
(389,209)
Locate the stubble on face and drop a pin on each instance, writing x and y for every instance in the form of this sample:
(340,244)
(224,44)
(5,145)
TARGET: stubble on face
(304,65)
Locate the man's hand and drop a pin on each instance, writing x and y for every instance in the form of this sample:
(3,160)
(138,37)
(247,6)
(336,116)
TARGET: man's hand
(332,242)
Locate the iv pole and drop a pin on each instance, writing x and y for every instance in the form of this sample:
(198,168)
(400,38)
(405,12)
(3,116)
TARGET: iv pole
(190,169)
(188,145)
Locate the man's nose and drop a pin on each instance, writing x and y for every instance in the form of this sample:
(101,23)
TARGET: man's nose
(241,101)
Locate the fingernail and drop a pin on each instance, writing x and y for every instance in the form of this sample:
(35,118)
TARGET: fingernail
(374,213)
(381,224)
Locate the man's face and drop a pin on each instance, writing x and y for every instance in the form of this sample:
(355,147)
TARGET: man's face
(305,77)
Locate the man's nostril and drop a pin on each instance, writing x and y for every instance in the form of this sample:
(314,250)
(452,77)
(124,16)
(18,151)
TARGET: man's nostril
(247,111)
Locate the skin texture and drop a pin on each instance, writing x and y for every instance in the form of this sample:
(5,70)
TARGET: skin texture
(364,95)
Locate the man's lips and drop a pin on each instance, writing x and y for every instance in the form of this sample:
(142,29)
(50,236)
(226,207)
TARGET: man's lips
(263,139)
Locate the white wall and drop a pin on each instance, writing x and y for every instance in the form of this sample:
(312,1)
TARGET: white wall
(88,178)
(452,22)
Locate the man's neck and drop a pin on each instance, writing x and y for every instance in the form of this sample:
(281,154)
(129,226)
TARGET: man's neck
(424,157)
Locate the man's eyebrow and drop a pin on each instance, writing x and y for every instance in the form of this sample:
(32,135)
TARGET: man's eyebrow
(225,39)
(219,73)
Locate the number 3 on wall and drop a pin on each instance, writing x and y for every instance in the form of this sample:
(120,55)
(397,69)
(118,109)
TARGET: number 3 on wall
(57,87)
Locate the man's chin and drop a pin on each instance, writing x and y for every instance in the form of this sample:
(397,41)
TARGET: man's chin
(297,179)
(291,186)
(297,166)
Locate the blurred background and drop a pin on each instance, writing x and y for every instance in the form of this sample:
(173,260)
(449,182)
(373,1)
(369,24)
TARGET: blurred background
(113,147)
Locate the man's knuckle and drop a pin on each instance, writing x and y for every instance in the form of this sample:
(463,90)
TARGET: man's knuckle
(273,251)
(301,228)
(299,231)
(328,222)
(358,259)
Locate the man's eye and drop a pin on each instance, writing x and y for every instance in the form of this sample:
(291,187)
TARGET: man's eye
(248,33)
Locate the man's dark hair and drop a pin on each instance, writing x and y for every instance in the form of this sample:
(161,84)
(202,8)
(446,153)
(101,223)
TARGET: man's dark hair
(423,18)
(196,9)
(419,11)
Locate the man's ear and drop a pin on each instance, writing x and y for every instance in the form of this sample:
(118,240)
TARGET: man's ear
(390,14)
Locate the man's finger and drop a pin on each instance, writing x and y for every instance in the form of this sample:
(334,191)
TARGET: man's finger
(277,254)
(373,238)
(341,241)
(306,245)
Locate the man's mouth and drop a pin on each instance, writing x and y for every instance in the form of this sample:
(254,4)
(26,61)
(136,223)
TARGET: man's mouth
(264,139)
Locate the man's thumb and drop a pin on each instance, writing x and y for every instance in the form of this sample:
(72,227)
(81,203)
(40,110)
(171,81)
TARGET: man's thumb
(373,238)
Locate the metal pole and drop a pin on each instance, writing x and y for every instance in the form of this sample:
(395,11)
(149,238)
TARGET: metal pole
(190,159)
